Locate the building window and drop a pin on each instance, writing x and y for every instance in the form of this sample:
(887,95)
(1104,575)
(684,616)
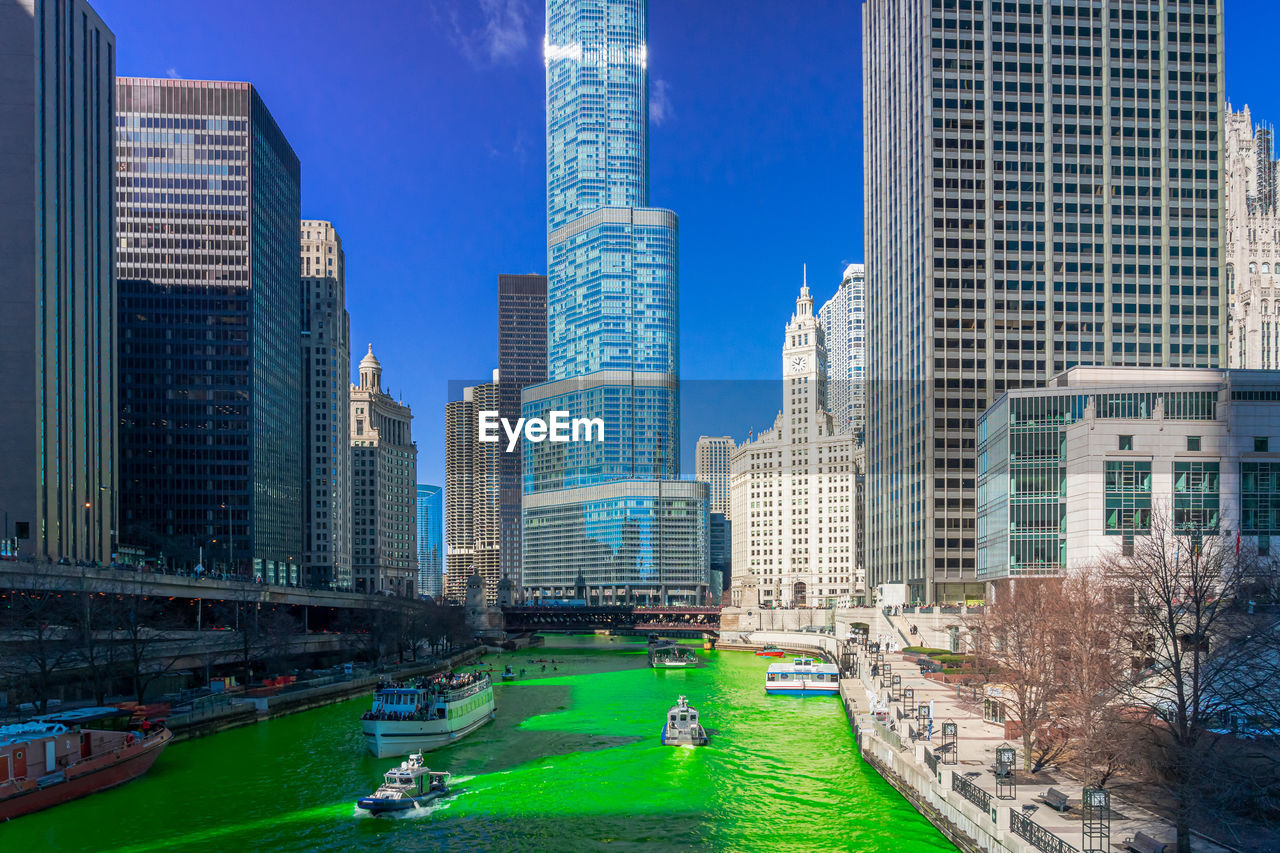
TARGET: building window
(1260,499)
(1261,444)
(1193,442)
(1128,499)
(1195,497)
(1126,442)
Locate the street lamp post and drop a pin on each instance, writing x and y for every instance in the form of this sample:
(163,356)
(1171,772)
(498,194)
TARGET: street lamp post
(88,529)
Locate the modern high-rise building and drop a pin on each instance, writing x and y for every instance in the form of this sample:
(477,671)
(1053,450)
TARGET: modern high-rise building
(1252,241)
(472,499)
(211,384)
(522,361)
(58,464)
(721,555)
(844,320)
(609,516)
(384,487)
(711,464)
(326,371)
(1043,190)
(793,487)
(430,541)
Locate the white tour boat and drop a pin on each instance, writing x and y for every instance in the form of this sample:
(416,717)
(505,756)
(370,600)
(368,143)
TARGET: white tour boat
(802,677)
(427,714)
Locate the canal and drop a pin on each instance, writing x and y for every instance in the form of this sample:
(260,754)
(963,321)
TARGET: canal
(572,762)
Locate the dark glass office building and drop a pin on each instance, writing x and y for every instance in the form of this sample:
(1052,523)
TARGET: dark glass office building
(211,427)
(522,361)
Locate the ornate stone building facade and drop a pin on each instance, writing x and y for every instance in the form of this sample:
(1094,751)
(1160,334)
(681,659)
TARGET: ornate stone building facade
(1252,242)
(384,467)
(793,489)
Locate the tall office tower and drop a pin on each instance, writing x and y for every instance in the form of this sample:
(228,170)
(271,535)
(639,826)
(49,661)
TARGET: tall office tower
(1252,242)
(384,487)
(721,555)
(430,541)
(58,476)
(609,516)
(207,212)
(522,361)
(471,494)
(795,522)
(844,320)
(1042,191)
(326,371)
(711,462)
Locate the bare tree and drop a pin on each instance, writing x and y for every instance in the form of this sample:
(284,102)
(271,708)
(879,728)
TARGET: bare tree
(96,619)
(36,625)
(1090,635)
(1016,635)
(1196,649)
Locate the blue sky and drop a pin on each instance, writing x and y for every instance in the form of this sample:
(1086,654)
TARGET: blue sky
(419,124)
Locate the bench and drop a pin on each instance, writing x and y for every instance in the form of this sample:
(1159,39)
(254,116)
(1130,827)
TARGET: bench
(1055,799)
(1143,843)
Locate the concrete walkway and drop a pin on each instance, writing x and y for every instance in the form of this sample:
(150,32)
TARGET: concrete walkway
(976,744)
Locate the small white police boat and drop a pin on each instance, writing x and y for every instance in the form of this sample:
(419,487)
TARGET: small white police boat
(682,727)
(405,787)
(802,677)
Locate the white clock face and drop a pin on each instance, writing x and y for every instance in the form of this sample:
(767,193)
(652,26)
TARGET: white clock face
(797,364)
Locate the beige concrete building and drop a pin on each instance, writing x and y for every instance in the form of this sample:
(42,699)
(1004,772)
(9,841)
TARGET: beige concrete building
(384,468)
(712,457)
(472,495)
(1041,192)
(59,480)
(1080,469)
(1252,245)
(793,489)
(326,368)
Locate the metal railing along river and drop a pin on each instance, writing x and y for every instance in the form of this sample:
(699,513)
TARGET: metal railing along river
(970,791)
(1037,835)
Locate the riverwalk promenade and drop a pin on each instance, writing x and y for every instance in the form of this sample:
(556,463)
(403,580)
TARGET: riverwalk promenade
(956,787)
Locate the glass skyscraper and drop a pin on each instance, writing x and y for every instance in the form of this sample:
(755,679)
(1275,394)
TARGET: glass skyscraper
(210,313)
(430,540)
(609,519)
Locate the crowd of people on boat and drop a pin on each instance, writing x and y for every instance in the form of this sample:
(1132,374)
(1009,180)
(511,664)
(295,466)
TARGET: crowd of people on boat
(440,683)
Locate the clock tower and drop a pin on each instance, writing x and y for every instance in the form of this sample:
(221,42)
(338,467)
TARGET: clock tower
(804,369)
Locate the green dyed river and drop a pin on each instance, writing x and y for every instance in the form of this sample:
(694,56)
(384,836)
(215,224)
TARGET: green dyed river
(572,762)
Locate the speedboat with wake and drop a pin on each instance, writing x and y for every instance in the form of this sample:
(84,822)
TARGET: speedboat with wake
(408,786)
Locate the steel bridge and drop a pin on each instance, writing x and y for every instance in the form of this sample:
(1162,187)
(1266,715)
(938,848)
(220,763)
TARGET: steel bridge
(700,621)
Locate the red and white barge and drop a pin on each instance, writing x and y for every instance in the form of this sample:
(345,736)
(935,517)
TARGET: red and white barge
(64,756)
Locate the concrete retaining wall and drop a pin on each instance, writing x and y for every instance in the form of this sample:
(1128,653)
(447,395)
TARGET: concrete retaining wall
(249,710)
